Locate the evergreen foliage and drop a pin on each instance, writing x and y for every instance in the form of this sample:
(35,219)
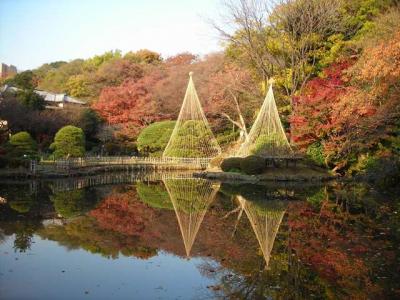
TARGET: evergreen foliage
(30,99)
(22,145)
(154,138)
(73,203)
(25,80)
(316,154)
(154,195)
(190,140)
(69,142)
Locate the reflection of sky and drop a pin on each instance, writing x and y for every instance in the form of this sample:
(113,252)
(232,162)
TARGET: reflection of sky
(38,273)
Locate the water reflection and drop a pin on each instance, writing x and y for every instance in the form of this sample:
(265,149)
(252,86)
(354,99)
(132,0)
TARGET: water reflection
(279,241)
(190,199)
(265,219)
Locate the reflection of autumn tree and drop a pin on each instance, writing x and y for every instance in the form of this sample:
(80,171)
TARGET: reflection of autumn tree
(84,232)
(341,242)
(122,212)
(123,225)
(338,240)
(278,276)
(293,282)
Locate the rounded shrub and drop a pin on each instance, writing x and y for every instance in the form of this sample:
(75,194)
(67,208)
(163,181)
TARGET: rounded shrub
(252,164)
(69,142)
(231,163)
(23,145)
(154,138)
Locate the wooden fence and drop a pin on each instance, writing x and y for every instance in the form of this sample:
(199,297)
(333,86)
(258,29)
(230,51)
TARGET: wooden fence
(155,163)
(74,183)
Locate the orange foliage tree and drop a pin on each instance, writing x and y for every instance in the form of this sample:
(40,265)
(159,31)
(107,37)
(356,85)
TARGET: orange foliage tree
(354,109)
(123,213)
(157,93)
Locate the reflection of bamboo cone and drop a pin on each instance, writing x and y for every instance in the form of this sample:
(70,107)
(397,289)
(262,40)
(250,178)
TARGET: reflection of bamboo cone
(264,226)
(190,202)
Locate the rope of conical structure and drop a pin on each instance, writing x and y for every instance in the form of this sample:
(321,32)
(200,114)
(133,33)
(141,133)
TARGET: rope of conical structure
(192,136)
(267,137)
(265,221)
(190,199)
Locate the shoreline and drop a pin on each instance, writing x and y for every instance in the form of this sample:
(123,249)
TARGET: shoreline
(272,175)
(262,178)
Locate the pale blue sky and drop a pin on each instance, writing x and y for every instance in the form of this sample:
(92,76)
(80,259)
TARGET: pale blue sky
(33,32)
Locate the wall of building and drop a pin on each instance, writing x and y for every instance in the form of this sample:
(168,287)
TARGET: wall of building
(7,70)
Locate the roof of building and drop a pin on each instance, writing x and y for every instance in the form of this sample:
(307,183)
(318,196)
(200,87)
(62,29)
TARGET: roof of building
(48,96)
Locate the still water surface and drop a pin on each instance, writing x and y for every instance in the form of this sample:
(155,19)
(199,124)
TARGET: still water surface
(174,237)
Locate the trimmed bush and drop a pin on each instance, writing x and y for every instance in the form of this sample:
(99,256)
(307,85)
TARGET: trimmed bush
(69,142)
(231,163)
(22,145)
(192,139)
(154,138)
(252,164)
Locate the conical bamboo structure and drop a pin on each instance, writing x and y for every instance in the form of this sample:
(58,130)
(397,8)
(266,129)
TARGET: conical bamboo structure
(190,199)
(265,222)
(266,137)
(192,136)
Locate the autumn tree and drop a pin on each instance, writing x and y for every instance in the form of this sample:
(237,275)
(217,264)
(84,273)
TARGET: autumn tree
(41,124)
(352,112)
(128,104)
(55,79)
(96,61)
(143,56)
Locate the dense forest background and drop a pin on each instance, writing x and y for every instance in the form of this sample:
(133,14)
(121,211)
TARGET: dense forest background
(335,66)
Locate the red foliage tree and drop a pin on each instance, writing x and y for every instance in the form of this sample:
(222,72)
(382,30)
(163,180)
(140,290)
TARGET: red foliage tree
(129,104)
(352,109)
(312,118)
(158,94)
(327,241)
(123,213)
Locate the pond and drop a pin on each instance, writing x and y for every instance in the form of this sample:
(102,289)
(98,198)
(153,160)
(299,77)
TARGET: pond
(171,236)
